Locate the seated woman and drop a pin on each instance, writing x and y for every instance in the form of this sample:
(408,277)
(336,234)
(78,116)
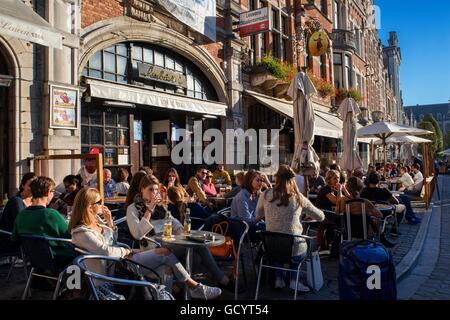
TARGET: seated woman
(64,203)
(89,234)
(134,187)
(172,179)
(145,217)
(326,200)
(17,203)
(178,204)
(244,203)
(282,208)
(208,186)
(122,184)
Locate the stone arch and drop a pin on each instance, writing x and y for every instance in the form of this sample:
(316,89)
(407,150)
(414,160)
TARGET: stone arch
(106,33)
(9,48)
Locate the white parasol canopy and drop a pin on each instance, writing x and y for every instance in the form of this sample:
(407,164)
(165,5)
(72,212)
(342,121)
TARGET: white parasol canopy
(403,140)
(384,130)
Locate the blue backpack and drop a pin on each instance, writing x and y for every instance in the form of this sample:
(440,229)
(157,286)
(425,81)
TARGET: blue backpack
(366,271)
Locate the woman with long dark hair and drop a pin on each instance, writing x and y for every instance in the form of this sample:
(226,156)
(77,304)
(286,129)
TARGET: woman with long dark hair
(17,203)
(282,207)
(145,216)
(134,187)
(244,203)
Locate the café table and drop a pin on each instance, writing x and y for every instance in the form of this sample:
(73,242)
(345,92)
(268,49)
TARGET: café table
(115,200)
(181,240)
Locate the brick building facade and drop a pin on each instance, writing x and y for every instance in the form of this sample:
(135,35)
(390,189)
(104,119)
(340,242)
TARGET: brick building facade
(109,46)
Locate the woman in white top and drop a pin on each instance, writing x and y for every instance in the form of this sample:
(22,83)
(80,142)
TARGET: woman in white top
(122,186)
(282,208)
(89,234)
(405,179)
(145,218)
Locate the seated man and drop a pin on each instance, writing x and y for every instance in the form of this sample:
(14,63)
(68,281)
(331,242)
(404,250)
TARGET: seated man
(316,182)
(238,180)
(109,185)
(41,221)
(416,188)
(377,194)
(220,176)
(194,187)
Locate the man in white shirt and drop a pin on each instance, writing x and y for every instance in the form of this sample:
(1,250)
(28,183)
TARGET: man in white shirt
(416,188)
(405,179)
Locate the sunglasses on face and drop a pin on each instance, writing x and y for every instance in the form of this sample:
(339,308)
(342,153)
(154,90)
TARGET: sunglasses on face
(171,176)
(204,172)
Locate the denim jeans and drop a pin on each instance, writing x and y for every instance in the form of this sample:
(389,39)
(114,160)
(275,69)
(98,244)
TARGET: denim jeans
(406,200)
(294,265)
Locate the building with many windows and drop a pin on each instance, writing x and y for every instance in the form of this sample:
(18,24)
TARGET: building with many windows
(440,112)
(124,76)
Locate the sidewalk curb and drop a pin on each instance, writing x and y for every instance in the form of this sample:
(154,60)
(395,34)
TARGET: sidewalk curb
(410,259)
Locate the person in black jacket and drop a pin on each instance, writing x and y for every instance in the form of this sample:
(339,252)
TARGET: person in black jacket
(17,203)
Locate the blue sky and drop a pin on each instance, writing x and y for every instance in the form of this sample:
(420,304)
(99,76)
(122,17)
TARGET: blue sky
(423,29)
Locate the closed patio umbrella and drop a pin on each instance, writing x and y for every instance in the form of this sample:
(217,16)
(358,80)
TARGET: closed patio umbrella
(349,110)
(301,90)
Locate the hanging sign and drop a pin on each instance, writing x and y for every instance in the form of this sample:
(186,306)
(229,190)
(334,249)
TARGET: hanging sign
(318,43)
(253,22)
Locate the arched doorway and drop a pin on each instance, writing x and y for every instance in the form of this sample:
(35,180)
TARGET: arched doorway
(5,81)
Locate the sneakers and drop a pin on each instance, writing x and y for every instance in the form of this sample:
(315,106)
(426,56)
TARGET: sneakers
(386,242)
(279,283)
(413,220)
(301,287)
(205,292)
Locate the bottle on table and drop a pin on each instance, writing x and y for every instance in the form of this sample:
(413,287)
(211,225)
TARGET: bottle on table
(187,222)
(167,233)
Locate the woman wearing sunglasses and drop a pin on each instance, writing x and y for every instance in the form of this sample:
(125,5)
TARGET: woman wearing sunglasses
(208,185)
(145,217)
(90,234)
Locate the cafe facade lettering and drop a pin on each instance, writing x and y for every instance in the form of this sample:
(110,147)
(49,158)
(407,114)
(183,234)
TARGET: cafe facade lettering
(152,72)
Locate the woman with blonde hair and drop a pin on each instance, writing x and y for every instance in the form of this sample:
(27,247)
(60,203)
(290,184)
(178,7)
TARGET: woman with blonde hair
(89,233)
(282,207)
(145,217)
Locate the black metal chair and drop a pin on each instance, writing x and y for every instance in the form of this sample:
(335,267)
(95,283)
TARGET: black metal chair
(38,251)
(11,250)
(278,250)
(356,225)
(152,291)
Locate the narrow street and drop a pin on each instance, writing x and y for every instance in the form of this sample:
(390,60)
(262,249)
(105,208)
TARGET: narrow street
(430,278)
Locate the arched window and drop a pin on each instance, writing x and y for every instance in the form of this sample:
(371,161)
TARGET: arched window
(120,63)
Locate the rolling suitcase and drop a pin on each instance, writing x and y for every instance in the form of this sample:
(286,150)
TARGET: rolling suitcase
(366,268)
(366,271)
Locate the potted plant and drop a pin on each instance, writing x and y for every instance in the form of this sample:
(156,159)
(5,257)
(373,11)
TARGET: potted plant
(343,93)
(323,87)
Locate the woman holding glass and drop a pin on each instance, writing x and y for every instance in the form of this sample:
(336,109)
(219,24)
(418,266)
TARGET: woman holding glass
(90,234)
(145,217)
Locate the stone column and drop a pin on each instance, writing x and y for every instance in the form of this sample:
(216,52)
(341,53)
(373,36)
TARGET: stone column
(62,66)
(235,116)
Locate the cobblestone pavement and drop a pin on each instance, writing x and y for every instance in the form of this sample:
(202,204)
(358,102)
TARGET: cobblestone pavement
(437,285)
